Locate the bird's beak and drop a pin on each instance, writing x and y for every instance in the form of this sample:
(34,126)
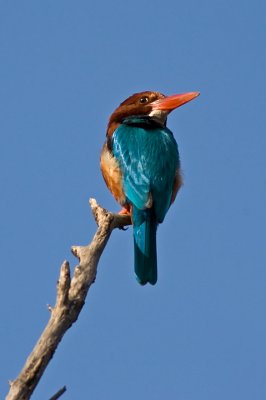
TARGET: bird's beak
(169,103)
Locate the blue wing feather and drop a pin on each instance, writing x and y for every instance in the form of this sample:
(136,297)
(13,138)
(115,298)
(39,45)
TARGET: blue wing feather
(148,158)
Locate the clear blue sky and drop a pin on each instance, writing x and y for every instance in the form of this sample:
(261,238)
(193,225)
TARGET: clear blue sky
(199,334)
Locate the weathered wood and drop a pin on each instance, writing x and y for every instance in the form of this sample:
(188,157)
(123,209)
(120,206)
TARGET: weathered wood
(71,296)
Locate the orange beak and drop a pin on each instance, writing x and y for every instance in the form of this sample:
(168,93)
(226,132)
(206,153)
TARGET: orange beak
(169,103)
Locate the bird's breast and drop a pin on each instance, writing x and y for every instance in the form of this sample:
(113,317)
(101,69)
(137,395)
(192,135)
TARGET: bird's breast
(112,174)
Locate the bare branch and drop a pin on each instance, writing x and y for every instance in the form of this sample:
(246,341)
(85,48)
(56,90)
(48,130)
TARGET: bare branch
(58,394)
(71,296)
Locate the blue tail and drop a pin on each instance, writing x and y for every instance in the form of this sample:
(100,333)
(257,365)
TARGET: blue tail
(144,230)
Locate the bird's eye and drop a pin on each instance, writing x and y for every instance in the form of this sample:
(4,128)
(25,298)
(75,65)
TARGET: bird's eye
(144,99)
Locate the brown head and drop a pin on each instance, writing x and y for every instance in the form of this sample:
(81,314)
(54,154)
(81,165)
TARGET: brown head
(153,104)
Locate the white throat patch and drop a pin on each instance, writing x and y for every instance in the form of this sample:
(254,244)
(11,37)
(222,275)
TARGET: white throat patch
(159,115)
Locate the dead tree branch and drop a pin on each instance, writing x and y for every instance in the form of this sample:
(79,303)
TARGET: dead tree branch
(58,394)
(71,296)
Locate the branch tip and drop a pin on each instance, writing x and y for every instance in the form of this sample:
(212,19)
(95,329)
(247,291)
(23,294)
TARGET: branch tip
(93,202)
(99,212)
(58,394)
(65,264)
(75,251)
(50,308)
(63,285)
(65,271)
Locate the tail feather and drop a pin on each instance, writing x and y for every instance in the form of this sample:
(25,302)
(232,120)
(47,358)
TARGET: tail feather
(144,230)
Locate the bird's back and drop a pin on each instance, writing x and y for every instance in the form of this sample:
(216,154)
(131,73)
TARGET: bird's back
(148,157)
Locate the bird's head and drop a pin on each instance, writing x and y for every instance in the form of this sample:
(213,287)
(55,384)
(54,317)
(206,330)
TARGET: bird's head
(153,104)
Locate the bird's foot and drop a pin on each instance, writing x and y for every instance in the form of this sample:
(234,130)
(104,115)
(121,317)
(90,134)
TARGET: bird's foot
(124,211)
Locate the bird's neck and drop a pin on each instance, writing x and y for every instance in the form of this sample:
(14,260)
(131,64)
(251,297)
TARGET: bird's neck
(156,118)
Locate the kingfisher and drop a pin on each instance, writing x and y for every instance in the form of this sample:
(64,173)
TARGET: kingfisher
(141,167)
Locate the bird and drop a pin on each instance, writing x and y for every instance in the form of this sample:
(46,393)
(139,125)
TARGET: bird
(140,165)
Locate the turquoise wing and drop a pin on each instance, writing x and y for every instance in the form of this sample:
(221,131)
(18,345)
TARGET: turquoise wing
(148,158)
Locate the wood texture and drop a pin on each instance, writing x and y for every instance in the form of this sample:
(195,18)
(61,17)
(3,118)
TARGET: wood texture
(71,296)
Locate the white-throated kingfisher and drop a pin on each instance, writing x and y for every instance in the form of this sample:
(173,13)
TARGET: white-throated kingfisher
(141,167)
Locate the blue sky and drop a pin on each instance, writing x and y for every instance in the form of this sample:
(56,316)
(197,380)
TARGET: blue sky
(199,334)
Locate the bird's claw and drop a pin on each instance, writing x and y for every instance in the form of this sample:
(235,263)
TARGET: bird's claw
(124,211)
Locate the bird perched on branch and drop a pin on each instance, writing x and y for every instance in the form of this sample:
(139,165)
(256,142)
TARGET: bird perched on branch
(140,165)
